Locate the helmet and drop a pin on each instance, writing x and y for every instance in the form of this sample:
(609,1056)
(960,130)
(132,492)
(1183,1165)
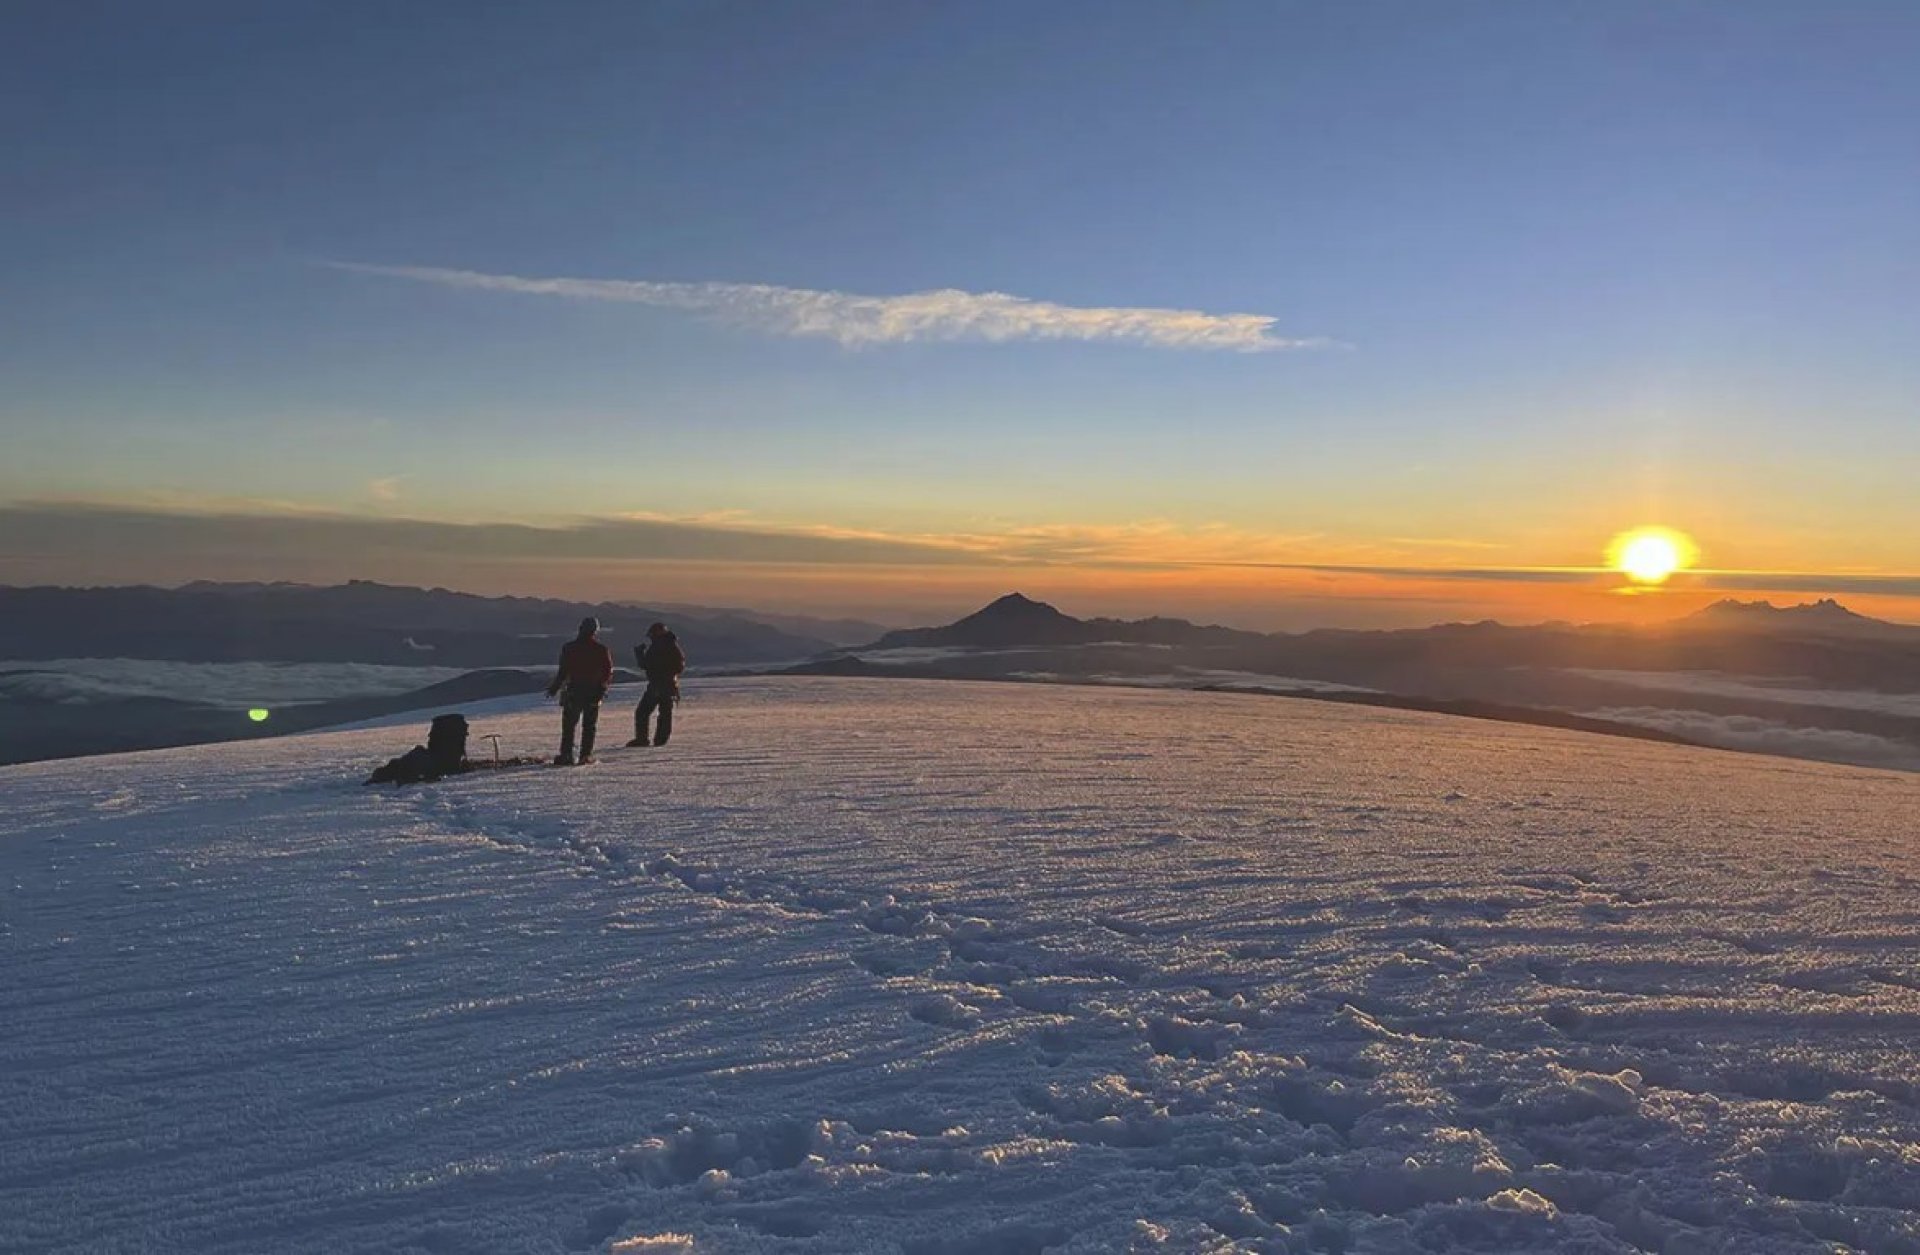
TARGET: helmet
(658,629)
(589,626)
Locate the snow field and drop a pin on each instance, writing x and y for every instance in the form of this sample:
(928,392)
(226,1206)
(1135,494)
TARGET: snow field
(940,967)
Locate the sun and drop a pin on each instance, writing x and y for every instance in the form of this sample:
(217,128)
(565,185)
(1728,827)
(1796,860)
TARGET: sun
(1648,555)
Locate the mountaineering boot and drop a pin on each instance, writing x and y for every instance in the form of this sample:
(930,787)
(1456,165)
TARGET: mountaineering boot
(584,760)
(563,760)
(638,742)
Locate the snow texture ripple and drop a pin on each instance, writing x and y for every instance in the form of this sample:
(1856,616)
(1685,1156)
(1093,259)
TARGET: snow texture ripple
(940,968)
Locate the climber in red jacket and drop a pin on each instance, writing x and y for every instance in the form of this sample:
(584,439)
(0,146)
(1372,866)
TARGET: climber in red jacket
(586,671)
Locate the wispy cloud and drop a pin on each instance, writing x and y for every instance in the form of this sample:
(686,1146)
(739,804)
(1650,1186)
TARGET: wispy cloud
(1698,579)
(855,320)
(1145,544)
(1446,542)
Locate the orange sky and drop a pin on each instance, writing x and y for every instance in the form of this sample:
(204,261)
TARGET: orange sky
(1213,573)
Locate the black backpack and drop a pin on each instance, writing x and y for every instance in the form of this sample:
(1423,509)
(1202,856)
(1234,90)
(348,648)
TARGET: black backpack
(447,741)
(444,754)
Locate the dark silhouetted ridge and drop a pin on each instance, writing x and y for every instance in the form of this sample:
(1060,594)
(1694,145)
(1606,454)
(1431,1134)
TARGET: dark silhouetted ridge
(1011,621)
(1825,617)
(359,621)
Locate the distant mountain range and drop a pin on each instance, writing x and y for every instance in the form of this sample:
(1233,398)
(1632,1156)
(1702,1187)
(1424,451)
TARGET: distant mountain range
(1815,679)
(1018,620)
(1822,641)
(361,622)
(41,729)
(1825,617)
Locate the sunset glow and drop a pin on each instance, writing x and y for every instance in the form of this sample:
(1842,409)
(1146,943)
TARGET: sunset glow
(1113,328)
(1650,555)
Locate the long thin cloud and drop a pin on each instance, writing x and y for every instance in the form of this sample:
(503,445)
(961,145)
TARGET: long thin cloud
(79,534)
(1865,584)
(855,320)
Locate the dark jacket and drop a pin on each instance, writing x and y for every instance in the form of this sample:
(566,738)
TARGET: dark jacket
(663,660)
(584,663)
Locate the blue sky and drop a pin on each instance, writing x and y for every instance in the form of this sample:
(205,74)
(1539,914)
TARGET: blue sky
(1582,266)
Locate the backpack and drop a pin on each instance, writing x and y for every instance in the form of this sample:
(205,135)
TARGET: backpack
(447,741)
(663,660)
(412,767)
(444,754)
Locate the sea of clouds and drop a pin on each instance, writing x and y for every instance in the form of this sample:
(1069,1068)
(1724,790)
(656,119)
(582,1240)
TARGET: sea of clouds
(229,685)
(1762,688)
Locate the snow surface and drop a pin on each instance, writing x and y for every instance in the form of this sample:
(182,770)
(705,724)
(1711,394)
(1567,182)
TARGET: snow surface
(1203,677)
(939,968)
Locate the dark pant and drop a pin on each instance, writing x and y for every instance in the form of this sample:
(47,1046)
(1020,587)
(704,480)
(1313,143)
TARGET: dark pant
(660,697)
(580,705)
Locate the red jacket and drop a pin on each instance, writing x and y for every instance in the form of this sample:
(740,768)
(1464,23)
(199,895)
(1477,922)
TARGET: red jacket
(585,661)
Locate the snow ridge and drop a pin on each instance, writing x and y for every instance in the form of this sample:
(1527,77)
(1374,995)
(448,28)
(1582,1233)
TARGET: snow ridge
(933,968)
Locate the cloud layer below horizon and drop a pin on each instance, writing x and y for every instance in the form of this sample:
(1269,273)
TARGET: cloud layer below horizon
(855,321)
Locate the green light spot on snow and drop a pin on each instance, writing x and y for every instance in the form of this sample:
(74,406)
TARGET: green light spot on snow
(258,714)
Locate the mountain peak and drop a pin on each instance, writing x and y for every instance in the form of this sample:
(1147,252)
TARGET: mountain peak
(1016,619)
(1013,620)
(1016,603)
(1826,607)
(1824,615)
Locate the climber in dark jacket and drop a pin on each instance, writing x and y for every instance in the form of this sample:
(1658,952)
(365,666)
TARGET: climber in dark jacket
(586,671)
(663,660)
